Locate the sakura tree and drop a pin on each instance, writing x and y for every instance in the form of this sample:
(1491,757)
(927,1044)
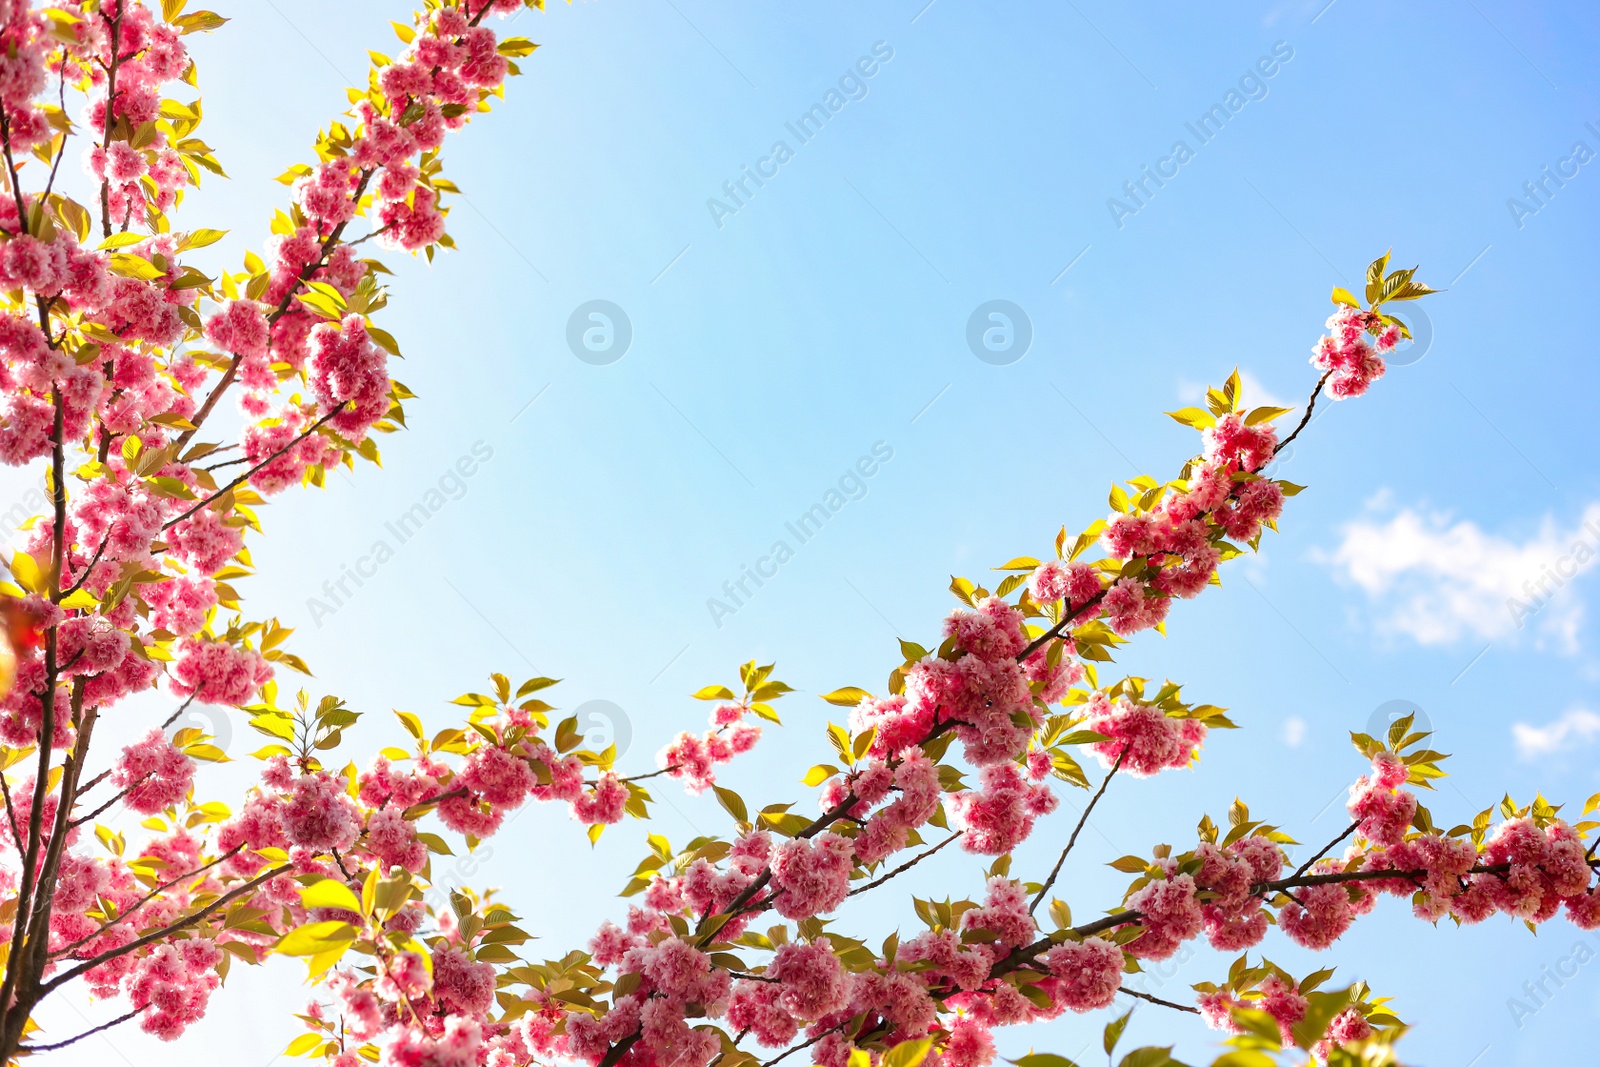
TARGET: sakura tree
(117,351)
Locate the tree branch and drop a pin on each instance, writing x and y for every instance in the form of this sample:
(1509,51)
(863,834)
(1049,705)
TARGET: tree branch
(225,490)
(1082,819)
(166,931)
(87,1033)
(906,866)
(1306,866)
(1310,406)
(1158,1000)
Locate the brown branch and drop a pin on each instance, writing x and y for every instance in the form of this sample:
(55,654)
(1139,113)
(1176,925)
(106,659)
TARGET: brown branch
(182,707)
(97,812)
(225,490)
(1310,406)
(1158,1000)
(803,1045)
(111,101)
(1306,866)
(89,568)
(87,1033)
(1055,631)
(906,866)
(277,313)
(1076,830)
(166,931)
(142,901)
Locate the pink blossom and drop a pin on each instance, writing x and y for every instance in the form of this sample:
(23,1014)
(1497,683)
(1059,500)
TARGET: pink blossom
(1147,739)
(320,815)
(1171,913)
(218,673)
(1091,972)
(154,774)
(814,875)
(998,816)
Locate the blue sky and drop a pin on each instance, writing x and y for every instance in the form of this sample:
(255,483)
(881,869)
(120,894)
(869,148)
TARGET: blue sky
(773,345)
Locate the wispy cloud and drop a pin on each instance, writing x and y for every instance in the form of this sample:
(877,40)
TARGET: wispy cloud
(1440,582)
(1294,731)
(1578,726)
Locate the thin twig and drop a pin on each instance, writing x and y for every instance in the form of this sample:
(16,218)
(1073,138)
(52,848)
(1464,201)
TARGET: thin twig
(1310,406)
(231,486)
(906,866)
(166,931)
(89,569)
(1158,1000)
(97,812)
(183,707)
(1084,818)
(87,1033)
(128,912)
(805,1044)
(1306,866)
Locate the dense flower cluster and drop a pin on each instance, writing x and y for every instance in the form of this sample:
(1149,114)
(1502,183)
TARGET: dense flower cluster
(693,759)
(114,351)
(1344,354)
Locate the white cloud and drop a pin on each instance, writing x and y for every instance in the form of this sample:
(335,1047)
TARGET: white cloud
(1294,731)
(1579,724)
(1439,582)
(1255,394)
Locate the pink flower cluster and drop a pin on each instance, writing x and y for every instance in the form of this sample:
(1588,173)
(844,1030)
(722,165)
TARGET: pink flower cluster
(805,982)
(1234,918)
(153,774)
(914,778)
(997,816)
(1142,736)
(1352,365)
(811,876)
(1382,810)
(219,673)
(693,760)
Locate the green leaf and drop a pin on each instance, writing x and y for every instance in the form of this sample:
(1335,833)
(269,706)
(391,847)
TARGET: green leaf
(1149,1056)
(1195,417)
(80,598)
(1264,414)
(819,774)
(713,692)
(908,1053)
(200,239)
(1114,1029)
(315,938)
(732,803)
(848,697)
(1043,1059)
(1259,1023)
(1344,296)
(329,893)
(303,1044)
